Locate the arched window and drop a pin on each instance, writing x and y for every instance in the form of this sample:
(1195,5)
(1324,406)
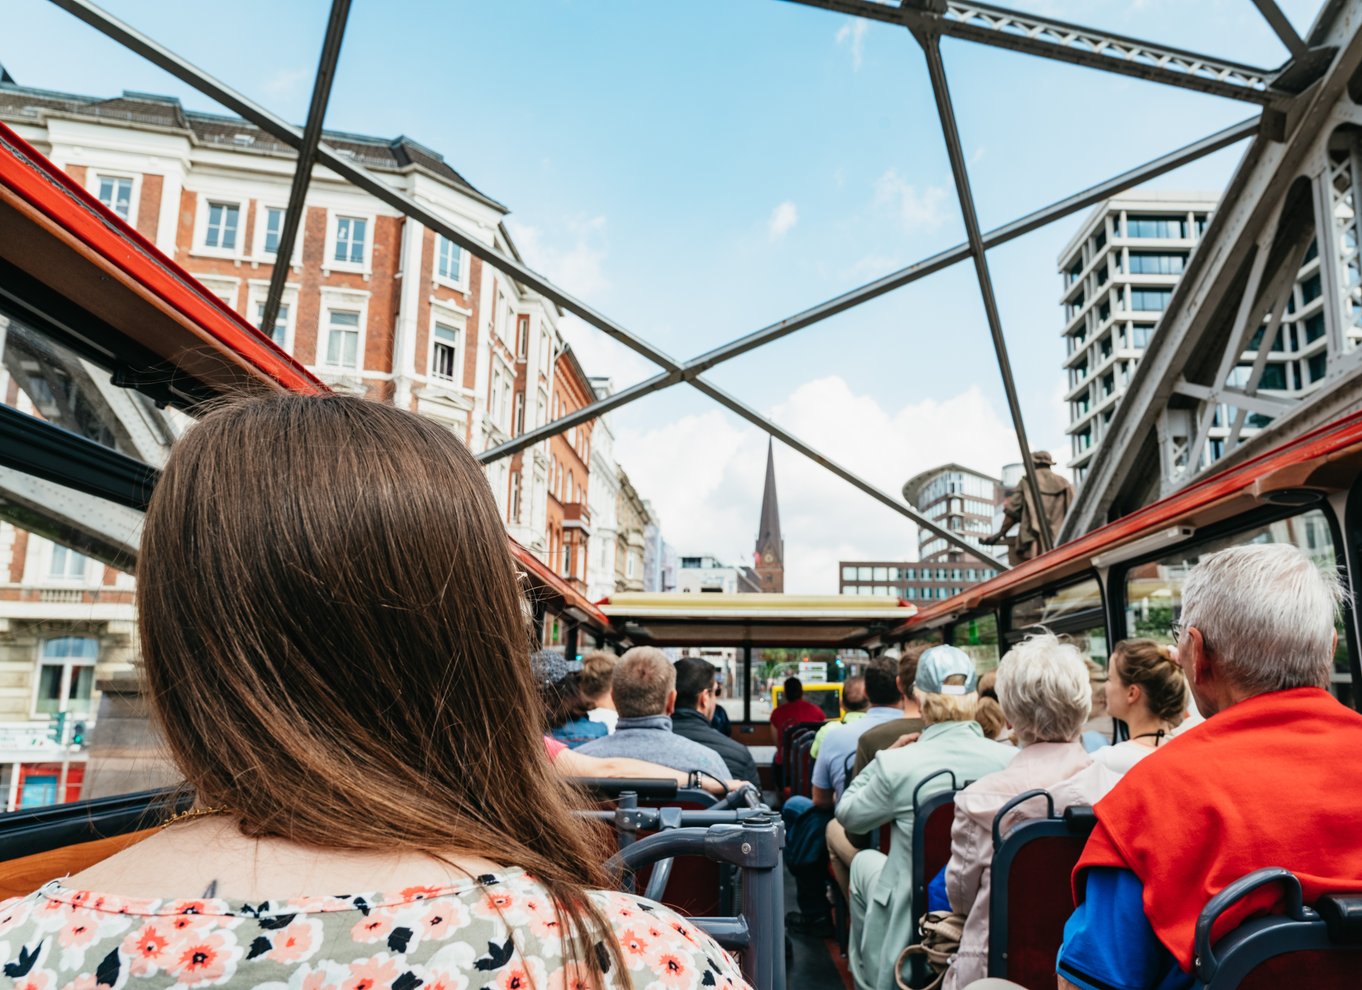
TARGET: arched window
(570,487)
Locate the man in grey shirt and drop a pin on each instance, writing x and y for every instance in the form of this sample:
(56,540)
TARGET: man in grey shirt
(644,689)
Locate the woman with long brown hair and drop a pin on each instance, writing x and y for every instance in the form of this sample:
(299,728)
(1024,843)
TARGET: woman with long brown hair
(335,652)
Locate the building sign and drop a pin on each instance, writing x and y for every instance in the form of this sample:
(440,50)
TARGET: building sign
(813,673)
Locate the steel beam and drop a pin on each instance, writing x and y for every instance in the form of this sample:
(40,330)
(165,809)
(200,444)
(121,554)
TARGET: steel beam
(1066,42)
(1281,27)
(885,284)
(134,40)
(307,156)
(936,68)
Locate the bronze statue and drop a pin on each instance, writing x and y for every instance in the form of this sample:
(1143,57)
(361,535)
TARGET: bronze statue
(1056,496)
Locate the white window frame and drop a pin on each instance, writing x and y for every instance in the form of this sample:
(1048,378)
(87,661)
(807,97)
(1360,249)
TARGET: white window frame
(68,667)
(220,285)
(206,200)
(134,197)
(258,252)
(348,300)
(459,322)
(460,283)
(333,219)
(256,295)
(53,550)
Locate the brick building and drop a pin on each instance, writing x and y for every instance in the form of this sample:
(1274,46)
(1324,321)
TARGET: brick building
(374,304)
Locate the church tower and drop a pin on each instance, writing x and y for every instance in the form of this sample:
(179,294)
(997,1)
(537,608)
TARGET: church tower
(770,556)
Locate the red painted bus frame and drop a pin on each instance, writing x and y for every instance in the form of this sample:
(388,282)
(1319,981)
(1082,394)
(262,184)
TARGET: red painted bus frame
(1267,471)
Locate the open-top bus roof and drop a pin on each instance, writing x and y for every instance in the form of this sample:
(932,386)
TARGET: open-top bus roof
(734,620)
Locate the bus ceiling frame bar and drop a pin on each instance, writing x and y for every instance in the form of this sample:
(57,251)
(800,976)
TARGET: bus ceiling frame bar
(1294,43)
(307,156)
(887,283)
(360,177)
(35,447)
(357,175)
(936,69)
(1064,41)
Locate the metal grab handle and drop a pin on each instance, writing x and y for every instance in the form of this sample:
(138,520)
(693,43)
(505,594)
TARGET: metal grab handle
(1205,962)
(649,787)
(745,796)
(955,785)
(1019,800)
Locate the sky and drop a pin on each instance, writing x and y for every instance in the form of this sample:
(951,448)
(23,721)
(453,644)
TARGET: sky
(697,171)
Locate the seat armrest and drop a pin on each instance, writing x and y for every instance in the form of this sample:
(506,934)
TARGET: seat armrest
(1342,913)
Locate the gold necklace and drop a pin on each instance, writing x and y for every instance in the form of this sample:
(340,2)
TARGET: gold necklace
(192,813)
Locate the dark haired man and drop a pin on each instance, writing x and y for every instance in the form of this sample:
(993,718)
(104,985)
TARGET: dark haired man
(695,705)
(794,709)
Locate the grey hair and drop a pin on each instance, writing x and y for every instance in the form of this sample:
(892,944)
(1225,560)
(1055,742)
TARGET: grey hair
(643,679)
(1043,689)
(1266,612)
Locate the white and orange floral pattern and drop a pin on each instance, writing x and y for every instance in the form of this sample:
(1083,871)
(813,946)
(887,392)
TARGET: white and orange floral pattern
(498,933)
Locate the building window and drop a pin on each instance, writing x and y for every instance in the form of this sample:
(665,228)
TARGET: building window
(448,260)
(518,427)
(67,565)
(223,220)
(1153,263)
(342,338)
(350,236)
(444,357)
(523,339)
(274,229)
(115,192)
(1150,300)
(279,333)
(1174,227)
(66,674)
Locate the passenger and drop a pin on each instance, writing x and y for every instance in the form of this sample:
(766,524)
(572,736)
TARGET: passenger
(1043,691)
(1267,780)
(1148,691)
(882,794)
(794,710)
(1100,729)
(883,736)
(989,714)
(565,708)
(644,689)
(598,667)
(695,705)
(854,705)
(334,650)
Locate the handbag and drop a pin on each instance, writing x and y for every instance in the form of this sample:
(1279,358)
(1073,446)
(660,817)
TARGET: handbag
(939,942)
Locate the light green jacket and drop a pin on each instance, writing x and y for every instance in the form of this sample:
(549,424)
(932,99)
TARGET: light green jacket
(828,727)
(883,793)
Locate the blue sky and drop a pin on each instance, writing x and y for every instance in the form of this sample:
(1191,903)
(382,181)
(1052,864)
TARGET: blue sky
(700,170)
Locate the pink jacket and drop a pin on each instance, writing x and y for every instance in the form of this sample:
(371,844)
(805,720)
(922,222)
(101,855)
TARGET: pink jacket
(1039,765)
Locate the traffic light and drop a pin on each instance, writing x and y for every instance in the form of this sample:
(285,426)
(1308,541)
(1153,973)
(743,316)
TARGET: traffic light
(78,734)
(56,728)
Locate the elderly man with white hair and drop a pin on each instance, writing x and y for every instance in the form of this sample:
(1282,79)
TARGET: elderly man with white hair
(1044,693)
(1268,779)
(882,794)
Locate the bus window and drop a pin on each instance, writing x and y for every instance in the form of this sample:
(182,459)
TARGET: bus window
(977,635)
(1154,589)
(1073,612)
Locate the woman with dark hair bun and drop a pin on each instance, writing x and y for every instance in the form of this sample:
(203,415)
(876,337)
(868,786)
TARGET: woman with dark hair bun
(1147,690)
(336,654)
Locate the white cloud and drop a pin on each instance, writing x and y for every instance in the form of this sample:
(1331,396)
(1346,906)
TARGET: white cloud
(915,209)
(852,35)
(704,474)
(574,260)
(783,217)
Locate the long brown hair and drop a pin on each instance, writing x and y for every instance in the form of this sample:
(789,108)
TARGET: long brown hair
(333,637)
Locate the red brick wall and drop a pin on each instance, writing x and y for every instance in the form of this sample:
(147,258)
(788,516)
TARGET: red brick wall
(149,206)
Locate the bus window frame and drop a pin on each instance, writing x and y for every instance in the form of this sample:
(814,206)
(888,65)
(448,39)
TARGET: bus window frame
(1011,634)
(1257,518)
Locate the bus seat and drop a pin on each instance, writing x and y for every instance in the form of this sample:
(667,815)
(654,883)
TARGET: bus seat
(27,873)
(1032,897)
(1319,947)
(933,817)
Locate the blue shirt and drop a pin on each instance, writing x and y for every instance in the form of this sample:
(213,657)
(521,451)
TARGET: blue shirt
(1108,943)
(579,731)
(830,769)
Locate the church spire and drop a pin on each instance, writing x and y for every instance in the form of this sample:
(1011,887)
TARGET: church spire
(770,546)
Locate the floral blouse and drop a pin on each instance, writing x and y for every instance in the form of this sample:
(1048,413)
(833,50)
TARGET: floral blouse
(498,933)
